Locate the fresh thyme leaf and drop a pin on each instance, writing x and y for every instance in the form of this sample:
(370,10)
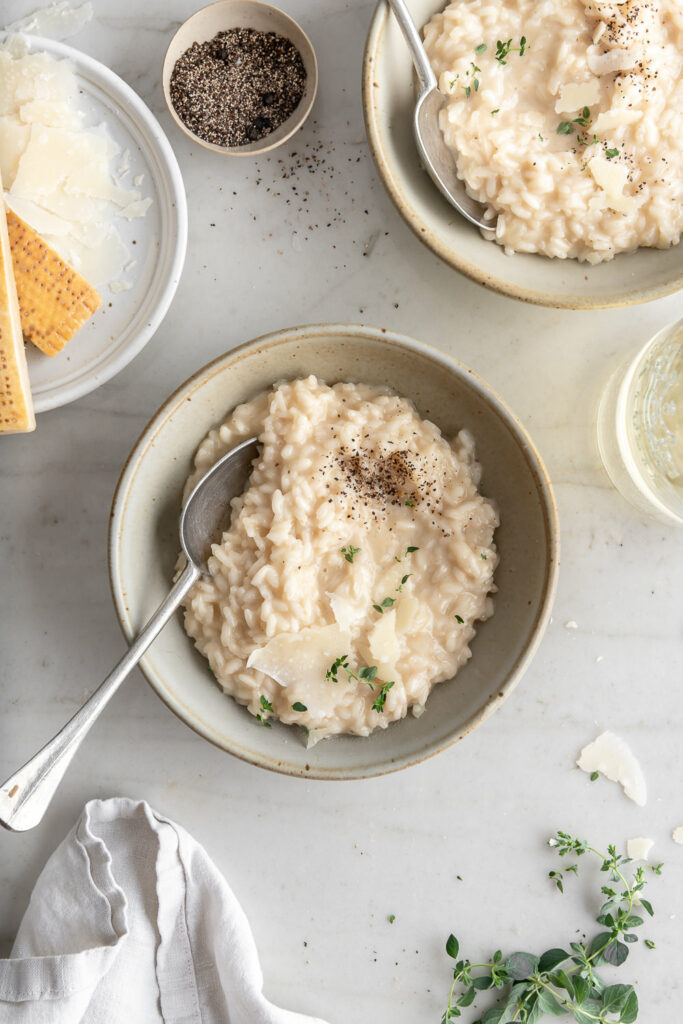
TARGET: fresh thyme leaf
(391,918)
(503,50)
(594,776)
(404,579)
(388,601)
(298,706)
(266,706)
(367,673)
(378,608)
(562,982)
(341,662)
(541,137)
(611,153)
(460,619)
(494,112)
(467,94)
(408,502)
(381,698)
(350,552)
(451,84)
(410,550)
(656,868)
(480,49)
(565,128)
(485,557)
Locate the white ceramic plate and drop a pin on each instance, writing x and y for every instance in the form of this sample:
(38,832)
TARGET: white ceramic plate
(157,242)
(388,101)
(143,543)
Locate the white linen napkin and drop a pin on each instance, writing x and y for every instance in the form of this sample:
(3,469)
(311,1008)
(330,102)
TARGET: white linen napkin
(130,922)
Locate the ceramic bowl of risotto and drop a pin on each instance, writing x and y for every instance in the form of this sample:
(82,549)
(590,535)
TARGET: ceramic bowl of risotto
(486,564)
(570,116)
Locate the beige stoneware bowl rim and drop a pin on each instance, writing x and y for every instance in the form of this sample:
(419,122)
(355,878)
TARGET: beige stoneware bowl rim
(310,333)
(298,115)
(391,181)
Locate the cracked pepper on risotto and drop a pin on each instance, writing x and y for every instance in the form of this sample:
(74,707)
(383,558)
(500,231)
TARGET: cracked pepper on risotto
(356,564)
(566,119)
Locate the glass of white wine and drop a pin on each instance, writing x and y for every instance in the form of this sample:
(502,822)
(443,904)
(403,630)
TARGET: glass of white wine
(640,427)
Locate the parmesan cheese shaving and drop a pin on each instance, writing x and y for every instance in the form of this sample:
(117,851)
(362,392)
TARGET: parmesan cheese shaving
(611,756)
(639,848)
(299,661)
(384,644)
(677,835)
(611,119)
(575,96)
(612,178)
(613,60)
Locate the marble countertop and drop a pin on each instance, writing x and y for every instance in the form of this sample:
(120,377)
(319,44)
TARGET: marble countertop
(318,866)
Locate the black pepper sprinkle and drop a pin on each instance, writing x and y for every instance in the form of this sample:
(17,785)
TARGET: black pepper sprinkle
(237,87)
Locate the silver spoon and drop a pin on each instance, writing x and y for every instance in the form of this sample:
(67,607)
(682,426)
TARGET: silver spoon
(433,151)
(25,797)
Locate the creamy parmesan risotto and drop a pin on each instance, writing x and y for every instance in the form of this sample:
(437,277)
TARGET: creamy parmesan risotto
(357,561)
(566,117)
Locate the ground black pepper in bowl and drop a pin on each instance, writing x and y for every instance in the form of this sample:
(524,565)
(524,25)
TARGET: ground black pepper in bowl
(237,87)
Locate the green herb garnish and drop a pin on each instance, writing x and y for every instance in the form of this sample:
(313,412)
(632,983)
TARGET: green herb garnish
(298,706)
(611,153)
(391,918)
(408,502)
(460,619)
(503,50)
(565,128)
(350,552)
(562,982)
(496,111)
(381,698)
(485,557)
(594,776)
(266,706)
(482,48)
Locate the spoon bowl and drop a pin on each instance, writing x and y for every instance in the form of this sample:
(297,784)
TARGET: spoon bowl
(434,152)
(25,796)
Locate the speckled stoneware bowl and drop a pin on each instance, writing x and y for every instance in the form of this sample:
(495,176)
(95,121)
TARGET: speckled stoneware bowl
(227,14)
(143,543)
(388,101)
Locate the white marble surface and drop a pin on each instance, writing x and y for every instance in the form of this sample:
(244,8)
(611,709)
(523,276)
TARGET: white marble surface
(318,867)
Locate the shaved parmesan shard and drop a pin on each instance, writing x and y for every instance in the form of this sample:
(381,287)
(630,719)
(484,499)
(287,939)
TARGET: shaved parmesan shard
(611,756)
(639,848)
(613,60)
(299,661)
(384,644)
(610,119)
(611,178)
(58,20)
(406,613)
(345,611)
(677,835)
(575,96)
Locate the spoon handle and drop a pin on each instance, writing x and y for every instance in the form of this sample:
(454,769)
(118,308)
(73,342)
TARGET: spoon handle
(412,36)
(25,796)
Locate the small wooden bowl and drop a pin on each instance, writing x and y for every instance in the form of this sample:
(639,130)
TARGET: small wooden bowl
(227,14)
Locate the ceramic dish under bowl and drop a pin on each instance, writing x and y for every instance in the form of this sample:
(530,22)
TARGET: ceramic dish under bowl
(227,14)
(156,243)
(388,103)
(143,543)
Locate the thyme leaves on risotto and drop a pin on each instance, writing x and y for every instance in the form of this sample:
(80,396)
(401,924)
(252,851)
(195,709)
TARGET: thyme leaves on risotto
(266,707)
(366,674)
(349,553)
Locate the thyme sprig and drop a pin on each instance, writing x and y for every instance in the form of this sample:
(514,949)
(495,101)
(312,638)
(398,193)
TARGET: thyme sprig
(350,553)
(365,674)
(561,981)
(266,708)
(503,50)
